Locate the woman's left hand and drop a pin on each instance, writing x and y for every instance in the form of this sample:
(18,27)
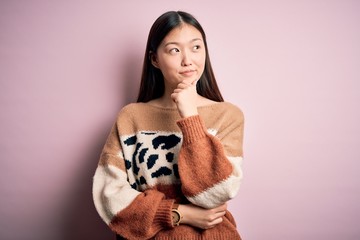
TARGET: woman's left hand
(185,96)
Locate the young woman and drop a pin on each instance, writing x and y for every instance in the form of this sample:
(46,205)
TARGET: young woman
(172,160)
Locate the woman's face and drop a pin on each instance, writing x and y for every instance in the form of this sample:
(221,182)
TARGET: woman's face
(181,55)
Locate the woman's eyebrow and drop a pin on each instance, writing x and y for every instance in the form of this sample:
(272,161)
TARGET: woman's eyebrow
(177,43)
(196,39)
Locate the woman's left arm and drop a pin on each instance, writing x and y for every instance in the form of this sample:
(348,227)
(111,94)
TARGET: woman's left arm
(210,166)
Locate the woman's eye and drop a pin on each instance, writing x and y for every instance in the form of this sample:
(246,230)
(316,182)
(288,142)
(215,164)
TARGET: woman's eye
(174,50)
(196,47)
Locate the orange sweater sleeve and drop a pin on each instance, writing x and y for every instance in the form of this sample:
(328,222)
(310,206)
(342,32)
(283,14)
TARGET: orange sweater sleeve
(210,166)
(128,212)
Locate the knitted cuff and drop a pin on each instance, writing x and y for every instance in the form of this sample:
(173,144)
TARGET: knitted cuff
(193,128)
(163,214)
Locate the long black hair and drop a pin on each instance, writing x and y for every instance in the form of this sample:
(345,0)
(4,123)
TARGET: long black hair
(152,81)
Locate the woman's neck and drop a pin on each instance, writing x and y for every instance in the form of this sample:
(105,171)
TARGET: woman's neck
(165,100)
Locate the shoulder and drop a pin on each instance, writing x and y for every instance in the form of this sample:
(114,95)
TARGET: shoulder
(128,117)
(232,108)
(223,110)
(133,109)
(235,111)
(129,112)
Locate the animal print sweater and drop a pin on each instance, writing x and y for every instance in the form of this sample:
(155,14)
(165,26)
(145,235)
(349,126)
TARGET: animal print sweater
(154,158)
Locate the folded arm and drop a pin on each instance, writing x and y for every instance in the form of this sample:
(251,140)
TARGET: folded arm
(210,166)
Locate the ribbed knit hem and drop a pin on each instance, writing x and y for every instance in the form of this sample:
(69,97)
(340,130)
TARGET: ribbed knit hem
(163,214)
(219,236)
(193,128)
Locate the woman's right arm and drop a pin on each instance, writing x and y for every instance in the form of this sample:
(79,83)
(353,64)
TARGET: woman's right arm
(201,217)
(128,212)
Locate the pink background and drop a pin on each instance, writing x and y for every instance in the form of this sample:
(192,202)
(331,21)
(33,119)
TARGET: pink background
(67,67)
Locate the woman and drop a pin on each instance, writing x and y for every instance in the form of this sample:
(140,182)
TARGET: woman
(172,160)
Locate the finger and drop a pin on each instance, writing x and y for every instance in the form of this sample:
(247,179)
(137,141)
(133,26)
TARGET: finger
(221,208)
(174,97)
(219,214)
(216,221)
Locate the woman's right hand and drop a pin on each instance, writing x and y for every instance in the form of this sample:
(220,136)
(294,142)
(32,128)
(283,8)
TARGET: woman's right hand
(201,217)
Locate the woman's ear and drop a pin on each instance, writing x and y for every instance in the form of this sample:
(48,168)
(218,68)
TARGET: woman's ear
(153,59)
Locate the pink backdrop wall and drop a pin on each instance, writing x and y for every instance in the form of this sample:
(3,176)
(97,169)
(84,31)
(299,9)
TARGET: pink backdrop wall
(66,68)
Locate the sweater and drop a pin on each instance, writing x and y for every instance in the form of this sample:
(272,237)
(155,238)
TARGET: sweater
(153,158)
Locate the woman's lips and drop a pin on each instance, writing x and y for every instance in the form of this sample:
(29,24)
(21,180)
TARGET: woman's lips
(188,73)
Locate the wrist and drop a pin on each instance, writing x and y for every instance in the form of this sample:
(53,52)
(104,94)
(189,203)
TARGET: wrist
(188,112)
(176,215)
(183,209)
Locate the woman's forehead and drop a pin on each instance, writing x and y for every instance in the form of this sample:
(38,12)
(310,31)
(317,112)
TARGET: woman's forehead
(183,34)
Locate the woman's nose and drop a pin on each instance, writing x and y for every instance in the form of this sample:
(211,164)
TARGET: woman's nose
(186,59)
